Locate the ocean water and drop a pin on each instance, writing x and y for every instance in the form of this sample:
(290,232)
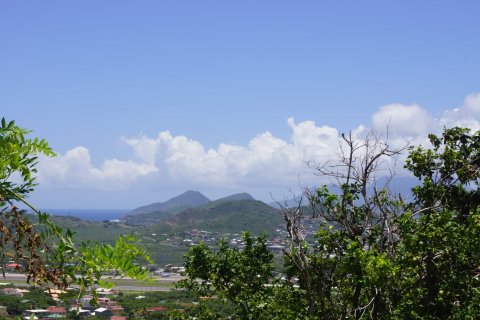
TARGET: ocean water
(89,214)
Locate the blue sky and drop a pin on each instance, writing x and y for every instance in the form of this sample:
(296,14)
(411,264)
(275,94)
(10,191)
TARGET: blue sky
(104,81)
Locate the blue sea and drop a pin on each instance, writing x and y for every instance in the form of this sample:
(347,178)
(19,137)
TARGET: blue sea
(89,214)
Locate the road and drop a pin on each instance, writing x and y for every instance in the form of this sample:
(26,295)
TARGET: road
(159,283)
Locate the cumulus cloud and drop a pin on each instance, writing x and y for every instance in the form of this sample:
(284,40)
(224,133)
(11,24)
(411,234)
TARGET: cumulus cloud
(75,169)
(472,103)
(265,157)
(404,120)
(466,116)
(266,160)
(144,148)
(184,157)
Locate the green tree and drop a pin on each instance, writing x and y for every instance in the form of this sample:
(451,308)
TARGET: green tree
(346,272)
(45,252)
(235,275)
(375,255)
(381,258)
(440,250)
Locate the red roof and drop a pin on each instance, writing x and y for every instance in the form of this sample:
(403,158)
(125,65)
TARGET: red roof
(157,309)
(118,318)
(53,309)
(13,265)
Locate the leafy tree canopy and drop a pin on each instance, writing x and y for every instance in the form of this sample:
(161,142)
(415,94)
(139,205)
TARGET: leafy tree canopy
(377,256)
(45,252)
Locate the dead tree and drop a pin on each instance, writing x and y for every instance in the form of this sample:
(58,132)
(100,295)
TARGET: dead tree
(359,205)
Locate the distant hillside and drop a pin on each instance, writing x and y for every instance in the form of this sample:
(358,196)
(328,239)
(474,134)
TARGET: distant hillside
(160,210)
(237,196)
(103,232)
(398,185)
(288,203)
(233,197)
(189,199)
(163,239)
(224,216)
(108,232)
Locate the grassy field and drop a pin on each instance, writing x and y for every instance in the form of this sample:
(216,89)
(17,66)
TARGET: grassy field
(107,232)
(103,232)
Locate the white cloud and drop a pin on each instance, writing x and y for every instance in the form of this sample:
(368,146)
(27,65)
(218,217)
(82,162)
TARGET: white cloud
(144,148)
(184,157)
(466,116)
(266,157)
(312,142)
(75,169)
(472,102)
(404,120)
(266,160)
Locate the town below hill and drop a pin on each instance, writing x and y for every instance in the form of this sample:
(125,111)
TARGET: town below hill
(18,300)
(167,229)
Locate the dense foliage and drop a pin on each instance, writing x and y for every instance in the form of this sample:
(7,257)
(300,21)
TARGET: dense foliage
(232,274)
(225,217)
(377,256)
(42,250)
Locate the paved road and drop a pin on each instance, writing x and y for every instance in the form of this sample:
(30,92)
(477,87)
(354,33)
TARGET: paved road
(13,276)
(162,282)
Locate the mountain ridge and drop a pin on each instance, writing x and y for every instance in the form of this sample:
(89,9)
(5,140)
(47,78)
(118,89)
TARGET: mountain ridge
(183,201)
(224,216)
(158,211)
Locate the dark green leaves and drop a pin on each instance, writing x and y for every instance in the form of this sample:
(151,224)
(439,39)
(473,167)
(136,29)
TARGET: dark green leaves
(18,156)
(238,275)
(48,254)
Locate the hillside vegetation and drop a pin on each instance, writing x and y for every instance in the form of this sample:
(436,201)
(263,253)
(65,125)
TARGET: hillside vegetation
(162,234)
(224,217)
(149,214)
(188,199)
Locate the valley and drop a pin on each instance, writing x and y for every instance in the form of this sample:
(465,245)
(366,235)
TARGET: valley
(167,229)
